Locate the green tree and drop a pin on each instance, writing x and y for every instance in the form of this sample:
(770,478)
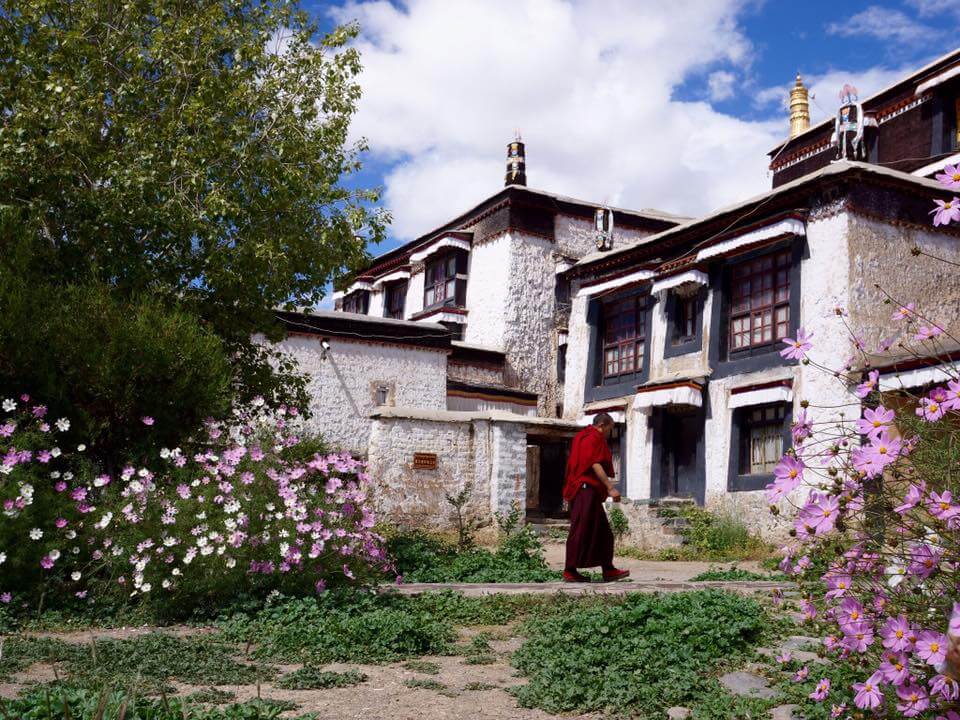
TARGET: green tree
(193,150)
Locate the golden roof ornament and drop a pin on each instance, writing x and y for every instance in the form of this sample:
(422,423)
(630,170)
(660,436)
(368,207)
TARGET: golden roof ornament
(799,108)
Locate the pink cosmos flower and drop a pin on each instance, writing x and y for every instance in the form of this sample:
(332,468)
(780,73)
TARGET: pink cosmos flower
(897,634)
(857,637)
(925,332)
(838,710)
(147,420)
(946,212)
(945,687)
(46,562)
(798,348)
(820,513)
(924,560)
(932,647)
(875,421)
(868,692)
(886,343)
(5,598)
(821,691)
(950,177)
(930,410)
(873,458)
(914,700)
(868,385)
(784,657)
(802,428)
(903,312)
(911,499)
(801,674)
(954,626)
(895,668)
(788,474)
(837,586)
(808,609)
(60,522)
(941,505)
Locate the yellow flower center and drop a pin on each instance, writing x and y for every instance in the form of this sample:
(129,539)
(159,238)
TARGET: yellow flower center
(944,506)
(882,450)
(793,474)
(827,513)
(899,634)
(934,647)
(877,423)
(955,177)
(933,407)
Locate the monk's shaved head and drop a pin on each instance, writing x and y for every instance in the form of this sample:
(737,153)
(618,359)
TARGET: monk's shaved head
(601,419)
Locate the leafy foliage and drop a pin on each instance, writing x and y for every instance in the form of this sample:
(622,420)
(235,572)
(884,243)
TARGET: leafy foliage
(518,557)
(190,150)
(654,651)
(619,524)
(106,361)
(733,573)
(312,678)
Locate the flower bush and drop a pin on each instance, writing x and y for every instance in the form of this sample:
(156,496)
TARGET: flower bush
(243,509)
(876,546)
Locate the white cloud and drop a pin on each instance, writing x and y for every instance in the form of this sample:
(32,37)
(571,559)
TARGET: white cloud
(935,8)
(590,83)
(720,85)
(883,23)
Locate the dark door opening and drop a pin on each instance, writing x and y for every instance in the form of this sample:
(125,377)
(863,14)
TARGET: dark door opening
(553,465)
(679,438)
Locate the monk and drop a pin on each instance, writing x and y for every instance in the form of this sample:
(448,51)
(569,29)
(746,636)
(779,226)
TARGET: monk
(588,484)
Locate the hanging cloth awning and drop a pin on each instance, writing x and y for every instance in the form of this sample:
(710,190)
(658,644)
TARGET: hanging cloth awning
(621,281)
(695,277)
(919,377)
(447,241)
(391,277)
(686,392)
(777,391)
(787,226)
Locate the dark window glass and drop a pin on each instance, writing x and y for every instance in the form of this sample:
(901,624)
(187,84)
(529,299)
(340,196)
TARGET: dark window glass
(357,302)
(394,300)
(760,301)
(624,336)
(685,318)
(440,281)
(761,438)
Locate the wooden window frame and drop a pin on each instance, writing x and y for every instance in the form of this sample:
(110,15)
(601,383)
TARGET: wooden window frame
(684,324)
(611,340)
(772,272)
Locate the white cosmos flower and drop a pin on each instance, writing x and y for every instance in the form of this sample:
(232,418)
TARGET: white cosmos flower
(63,424)
(6,469)
(165,584)
(55,452)
(9,405)
(145,587)
(75,576)
(81,447)
(71,534)
(54,554)
(175,571)
(231,562)
(105,520)
(3,558)
(36,534)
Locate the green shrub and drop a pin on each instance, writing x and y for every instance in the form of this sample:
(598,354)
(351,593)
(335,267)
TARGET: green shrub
(106,362)
(618,523)
(425,667)
(647,653)
(720,536)
(311,678)
(733,573)
(518,557)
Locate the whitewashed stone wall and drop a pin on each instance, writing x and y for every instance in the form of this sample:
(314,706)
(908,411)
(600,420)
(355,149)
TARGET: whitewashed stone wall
(575,236)
(342,387)
(487,292)
(489,454)
(467,372)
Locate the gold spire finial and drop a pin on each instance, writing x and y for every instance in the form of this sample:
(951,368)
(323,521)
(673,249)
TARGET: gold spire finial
(799,108)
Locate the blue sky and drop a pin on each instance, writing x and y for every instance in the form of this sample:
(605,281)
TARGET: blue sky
(667,104)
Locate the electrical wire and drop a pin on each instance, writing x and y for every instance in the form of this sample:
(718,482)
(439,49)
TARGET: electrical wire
(368,336)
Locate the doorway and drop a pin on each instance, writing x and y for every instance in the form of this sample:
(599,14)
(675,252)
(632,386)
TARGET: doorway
(678,436)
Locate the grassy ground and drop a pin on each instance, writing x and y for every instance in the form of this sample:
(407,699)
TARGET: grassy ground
(438,652)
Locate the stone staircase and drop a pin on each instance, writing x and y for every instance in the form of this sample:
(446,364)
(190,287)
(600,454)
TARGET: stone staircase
(654,524)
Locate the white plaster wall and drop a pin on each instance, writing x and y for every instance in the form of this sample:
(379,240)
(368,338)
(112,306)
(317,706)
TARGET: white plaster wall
(376,303)
(578,350)
(488,281)
(416,497)
(414,302)
(639,454)
(575,235)
(466,372)
(529,340)
(341,397)
(489,455)
(688,365)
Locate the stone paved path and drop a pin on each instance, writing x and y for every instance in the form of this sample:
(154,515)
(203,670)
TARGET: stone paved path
(598,588)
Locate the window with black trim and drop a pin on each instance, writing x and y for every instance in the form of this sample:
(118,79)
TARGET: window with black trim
(761,438)
(684,310)
(395,299)
(357,302)
(444,281)
(624,336)
(760,301)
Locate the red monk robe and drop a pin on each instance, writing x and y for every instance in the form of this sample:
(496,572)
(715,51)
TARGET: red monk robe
(590,542)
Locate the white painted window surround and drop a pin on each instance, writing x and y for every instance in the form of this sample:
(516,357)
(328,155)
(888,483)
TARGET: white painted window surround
(690,276)
(391,277)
